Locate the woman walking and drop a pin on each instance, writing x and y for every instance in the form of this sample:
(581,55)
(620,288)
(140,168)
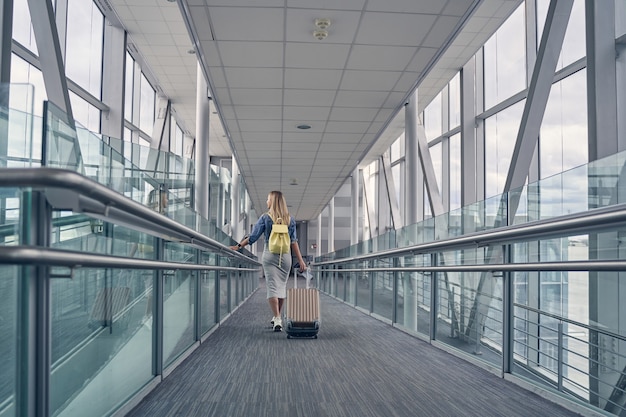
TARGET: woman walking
(276,266)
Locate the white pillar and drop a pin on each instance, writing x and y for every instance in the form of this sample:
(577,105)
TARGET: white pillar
(409,280)
(331,225)
(354,221)
(234,201)
(202,158)
(318,251)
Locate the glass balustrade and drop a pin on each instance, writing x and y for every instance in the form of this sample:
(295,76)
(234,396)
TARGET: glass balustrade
(102,328)
(566,327)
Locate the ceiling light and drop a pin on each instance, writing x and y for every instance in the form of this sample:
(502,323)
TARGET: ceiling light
(320,35)
(294,181)
(304,127)
(322,23)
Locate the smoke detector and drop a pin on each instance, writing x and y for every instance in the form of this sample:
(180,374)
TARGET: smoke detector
(322,23)
(320,35)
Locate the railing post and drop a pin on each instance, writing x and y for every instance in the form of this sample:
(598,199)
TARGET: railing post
(508,314)
(560,356)
(477,327)
(372,281)
(198,298)
(451,312)
(229,291)
(158,310)
(217,290)
(33,350)
(394,289)
(434,296)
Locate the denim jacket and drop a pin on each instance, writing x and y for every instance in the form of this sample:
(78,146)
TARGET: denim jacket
(264,226)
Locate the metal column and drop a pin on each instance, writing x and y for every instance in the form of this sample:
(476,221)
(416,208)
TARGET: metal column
(202,158)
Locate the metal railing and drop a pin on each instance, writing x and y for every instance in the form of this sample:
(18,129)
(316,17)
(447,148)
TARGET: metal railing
(501,313)
(162,305)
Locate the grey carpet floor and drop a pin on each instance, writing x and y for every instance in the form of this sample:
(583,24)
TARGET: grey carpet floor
(358,367)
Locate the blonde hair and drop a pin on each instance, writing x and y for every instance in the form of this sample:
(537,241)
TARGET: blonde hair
(278,208)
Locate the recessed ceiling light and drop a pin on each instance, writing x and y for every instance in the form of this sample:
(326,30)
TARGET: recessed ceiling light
(304,127)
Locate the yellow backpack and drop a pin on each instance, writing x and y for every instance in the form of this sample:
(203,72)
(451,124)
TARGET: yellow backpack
(279,241)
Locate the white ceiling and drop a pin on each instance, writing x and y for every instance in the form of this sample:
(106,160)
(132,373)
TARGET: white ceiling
(268,74)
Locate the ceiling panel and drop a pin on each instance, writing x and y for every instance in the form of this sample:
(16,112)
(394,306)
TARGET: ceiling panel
(268,74)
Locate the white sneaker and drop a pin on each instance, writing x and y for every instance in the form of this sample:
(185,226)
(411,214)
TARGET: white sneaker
(272,321)
(278,324)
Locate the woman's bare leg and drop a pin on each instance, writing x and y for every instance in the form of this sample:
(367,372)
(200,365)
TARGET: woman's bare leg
(274,306)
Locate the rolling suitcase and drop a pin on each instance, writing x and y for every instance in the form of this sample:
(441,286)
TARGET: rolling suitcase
(302,318)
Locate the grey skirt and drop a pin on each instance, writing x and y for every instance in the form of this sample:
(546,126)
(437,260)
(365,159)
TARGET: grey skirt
(276,276)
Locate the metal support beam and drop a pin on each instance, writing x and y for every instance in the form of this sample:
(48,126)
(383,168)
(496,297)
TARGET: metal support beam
(535,106)
(371,213)
(6,34)
(392,198)
(525,144)
(161,128)
(430,180)
(50,55)
(601,79)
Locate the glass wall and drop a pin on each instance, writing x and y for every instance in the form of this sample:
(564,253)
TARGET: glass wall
(505,60)
(83,45)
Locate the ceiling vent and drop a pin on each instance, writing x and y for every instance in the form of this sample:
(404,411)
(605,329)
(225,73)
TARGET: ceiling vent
(322,24)
(320,35)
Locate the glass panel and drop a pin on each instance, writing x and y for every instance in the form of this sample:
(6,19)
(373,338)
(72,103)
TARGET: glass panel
(505,60)
(574,43)
(22,27)
(207,294)
(433,119)
(178,300)
(8,346)
(129,87)
(100,320)
(563,138)
(363,285)
(350,284)
(470,314)
(84,44)
(146,106)
(413,298)
(500,134)
(18,126)
(61,140)
(224,278)
(100,350)
(383,289)
(455,171)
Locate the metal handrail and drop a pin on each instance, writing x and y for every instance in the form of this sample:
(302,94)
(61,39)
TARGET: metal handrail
(82,194)
(31,255)
(609,265)
(594,220)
